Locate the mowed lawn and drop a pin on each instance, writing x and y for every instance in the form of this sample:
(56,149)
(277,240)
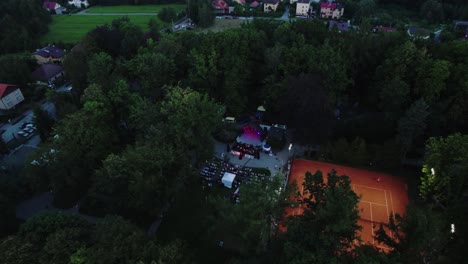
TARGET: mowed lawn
(134,8)
(71,29)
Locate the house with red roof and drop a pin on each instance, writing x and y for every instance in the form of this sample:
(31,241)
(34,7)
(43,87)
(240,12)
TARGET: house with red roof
(331,10)
(220,7)
(270,5)
(254,4)
(10,96)
(49,54)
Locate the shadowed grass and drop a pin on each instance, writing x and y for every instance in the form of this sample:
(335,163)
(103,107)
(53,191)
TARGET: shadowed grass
(71,29)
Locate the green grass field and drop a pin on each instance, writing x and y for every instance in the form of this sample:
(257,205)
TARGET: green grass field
(134,8)
(70,29)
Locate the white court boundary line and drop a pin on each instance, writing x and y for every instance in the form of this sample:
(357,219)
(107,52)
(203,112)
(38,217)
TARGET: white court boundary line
(372,223)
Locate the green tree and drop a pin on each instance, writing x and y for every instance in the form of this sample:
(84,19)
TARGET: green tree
(250,221)
(167,14)
(418,237)
(16,68)
(431,78)
(100,70)
(187,115)
(153,70)
(205,15)
(412,125)
(43,122)
(330,218)
(444,168)
(433,11)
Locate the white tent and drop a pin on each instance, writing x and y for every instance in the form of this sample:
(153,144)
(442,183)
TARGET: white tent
(227,179)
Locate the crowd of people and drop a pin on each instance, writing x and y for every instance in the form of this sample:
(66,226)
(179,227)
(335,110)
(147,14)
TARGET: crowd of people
(243,149)
(213,172)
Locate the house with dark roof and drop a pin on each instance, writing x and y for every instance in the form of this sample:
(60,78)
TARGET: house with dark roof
(10,96)
(270,5)
(340,26)
(220,7)
(49,54)
(418,33)
(48,73)
(331,10)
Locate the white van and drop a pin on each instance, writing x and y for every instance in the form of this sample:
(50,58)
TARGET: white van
(229,119)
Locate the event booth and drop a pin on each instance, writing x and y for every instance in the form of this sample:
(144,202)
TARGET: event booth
(228,179)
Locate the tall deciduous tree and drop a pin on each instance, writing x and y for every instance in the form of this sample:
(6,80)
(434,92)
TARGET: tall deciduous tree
(417,237)
(251,220)
(412,125)
(16,68)
(444,169)
(327,229)
(43,122)
(431,78)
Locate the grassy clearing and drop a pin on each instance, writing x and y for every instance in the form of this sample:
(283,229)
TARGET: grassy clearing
(134,8)
(70,29)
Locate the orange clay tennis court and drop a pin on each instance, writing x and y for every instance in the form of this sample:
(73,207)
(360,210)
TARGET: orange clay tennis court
(381,194)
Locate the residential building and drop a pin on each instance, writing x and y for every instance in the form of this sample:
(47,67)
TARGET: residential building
(48,72)
(49,54)
(418,33)
(240,2)
(331,10)
(254,4)
(220,7)
(270,5)
(10,95)
(303,8)
(79,3)
(53,6)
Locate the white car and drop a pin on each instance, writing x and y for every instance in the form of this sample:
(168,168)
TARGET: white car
(29,129)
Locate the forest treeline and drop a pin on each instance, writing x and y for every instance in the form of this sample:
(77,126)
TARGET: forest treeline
(143,108)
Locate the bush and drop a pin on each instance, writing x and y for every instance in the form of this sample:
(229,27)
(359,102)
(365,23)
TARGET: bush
(167,14)
(226,134)
(265,171)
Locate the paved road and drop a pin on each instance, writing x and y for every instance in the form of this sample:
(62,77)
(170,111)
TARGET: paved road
(84,13)
(11,130)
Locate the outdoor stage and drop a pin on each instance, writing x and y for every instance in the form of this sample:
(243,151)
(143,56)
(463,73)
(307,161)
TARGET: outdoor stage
(378,198)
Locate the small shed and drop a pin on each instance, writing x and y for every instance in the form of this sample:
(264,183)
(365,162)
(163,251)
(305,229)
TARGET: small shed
(228,179)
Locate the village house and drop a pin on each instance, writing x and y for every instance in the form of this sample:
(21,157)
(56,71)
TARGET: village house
(303,8)
(10,96)
(220,7)
(331,10)
(49,54)
(270,5)
(48,73)
(79,3)
(53,7)
(240,2)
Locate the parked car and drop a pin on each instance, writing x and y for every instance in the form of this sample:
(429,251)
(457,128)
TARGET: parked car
(29,129)
(30,125)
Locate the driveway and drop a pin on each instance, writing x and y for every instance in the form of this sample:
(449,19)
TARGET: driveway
(10,130)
